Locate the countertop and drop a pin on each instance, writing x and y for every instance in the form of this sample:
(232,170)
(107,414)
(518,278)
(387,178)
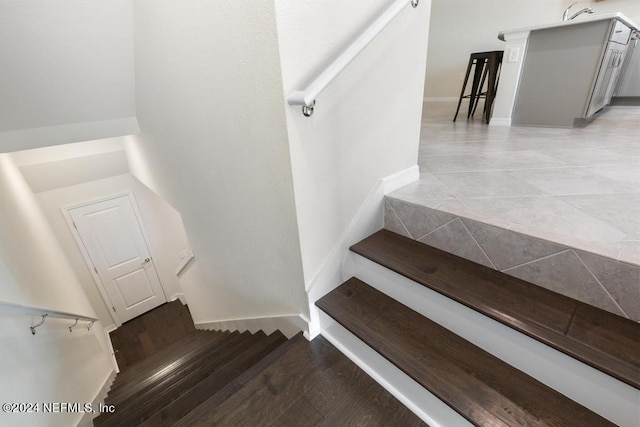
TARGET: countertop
(577,21)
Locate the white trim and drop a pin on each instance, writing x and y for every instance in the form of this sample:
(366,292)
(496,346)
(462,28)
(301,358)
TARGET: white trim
(400,179)
(591,388)
(85,254)
(178,296)
(184,262)
(24,139)
(112,353)
(289,325)
(87,419)
(440,98)
(416,398)
(500,121)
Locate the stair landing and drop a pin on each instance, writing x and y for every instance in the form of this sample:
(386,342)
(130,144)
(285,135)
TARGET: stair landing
(556,207)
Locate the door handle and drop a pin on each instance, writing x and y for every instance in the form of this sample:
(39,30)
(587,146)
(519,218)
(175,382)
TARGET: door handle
(146,261)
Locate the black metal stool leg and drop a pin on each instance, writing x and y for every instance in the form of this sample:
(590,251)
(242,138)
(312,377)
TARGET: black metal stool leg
(464,85)
(475,90)
(484,78)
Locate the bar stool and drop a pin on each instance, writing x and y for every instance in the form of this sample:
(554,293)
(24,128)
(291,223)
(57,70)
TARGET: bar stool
(486,68)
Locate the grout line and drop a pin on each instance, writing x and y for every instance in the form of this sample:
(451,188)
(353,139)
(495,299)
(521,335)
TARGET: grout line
(479,246)
(536,260)
(601,284)
(398,217)
(438,228)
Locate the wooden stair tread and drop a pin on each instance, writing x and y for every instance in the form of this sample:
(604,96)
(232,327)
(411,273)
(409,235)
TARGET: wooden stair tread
(160,390)
(203,410)
(479,386)
(596,337)
(214,382)
(164,357)
(305,383)
(151,378)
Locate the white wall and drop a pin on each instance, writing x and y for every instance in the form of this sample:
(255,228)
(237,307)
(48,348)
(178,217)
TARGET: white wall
(460,27)
(54,365)
(366,124)
(67,71)
(214,143)
(162,223)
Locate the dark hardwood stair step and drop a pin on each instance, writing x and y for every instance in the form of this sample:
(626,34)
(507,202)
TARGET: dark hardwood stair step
(203,349)
(596,337)
(216,381)
(302,384)
(476,384)
(202,411)
(164,357)
(161,390)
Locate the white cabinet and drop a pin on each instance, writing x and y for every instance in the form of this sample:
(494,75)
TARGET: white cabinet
(569,72)
(609,71)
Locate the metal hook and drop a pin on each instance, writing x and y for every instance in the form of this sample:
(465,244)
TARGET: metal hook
(33,327)
(73,326)
(415,3)
(307,110)
(90,324)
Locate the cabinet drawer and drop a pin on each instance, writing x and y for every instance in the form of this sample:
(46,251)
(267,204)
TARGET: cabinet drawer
(620,33)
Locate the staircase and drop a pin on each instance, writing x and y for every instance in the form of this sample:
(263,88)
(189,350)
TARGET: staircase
(163,388)
(173,374)
(463,344)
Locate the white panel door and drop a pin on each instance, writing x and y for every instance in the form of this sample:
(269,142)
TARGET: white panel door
(114,241)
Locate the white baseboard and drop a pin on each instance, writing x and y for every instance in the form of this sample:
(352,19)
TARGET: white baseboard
(500,121)
(400,179)
(87,418)
(440,98)
(178,296)
(421,402)
(112,354)
(289,325)
(593,389)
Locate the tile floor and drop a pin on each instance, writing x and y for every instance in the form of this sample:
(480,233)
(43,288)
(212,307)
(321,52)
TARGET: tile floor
(578,187)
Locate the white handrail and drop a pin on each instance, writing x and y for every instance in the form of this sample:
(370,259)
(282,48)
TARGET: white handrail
(307,97)
(30,310)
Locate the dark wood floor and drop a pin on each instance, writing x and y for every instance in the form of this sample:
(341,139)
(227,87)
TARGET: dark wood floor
(479,386)
(145,335)
(172,374)
(596,337)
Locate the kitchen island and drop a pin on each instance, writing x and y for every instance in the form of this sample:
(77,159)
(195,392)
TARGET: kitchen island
(561,74)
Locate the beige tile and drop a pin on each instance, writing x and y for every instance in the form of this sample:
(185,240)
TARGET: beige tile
(507,248)
(418,220)
(454,238)
(486,184)
(621,280)
(392,221)
(566,274)
(621,211)
(547,214)
(572,181)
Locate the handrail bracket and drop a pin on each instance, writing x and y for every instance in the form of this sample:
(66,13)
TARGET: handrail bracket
(33,327)
(307,110)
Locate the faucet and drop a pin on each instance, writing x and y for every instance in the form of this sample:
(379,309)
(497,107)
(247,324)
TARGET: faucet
(565,14)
